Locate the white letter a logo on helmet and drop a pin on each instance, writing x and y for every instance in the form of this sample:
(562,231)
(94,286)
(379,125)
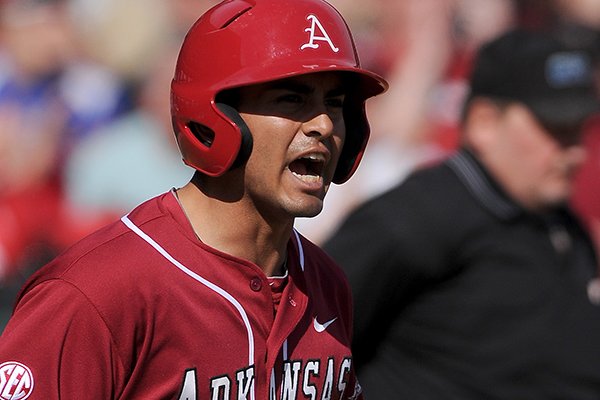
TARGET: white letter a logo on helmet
(315,23)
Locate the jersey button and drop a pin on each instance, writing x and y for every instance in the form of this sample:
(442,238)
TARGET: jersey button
(256,284)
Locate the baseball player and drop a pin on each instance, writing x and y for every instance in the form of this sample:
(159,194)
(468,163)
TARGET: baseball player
(207,291)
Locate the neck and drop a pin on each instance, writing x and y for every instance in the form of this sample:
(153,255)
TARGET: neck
(234,228)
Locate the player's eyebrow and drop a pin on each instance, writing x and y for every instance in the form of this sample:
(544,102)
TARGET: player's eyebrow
(303,88)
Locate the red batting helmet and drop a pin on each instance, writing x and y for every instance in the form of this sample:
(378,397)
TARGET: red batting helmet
(244,42)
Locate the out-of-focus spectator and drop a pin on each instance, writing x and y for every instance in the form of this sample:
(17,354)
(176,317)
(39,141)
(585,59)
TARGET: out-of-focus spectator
(124,35)
(50,96)
(131,159)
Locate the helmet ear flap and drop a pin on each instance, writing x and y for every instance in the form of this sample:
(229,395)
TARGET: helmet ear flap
(246,135)
(357,136)
(216,147)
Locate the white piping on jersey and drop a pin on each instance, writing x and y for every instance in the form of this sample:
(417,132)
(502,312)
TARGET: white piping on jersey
(125,219)
(301,259)
(300,250)
(200,279)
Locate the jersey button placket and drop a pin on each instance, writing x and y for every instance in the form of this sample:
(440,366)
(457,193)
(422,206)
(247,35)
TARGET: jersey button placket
(256,284)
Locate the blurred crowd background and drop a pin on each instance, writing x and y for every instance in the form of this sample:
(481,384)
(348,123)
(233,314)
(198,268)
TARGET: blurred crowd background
(85,130)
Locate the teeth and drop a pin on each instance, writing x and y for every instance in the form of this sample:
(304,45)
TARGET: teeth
(307,178)
(315,157)
(309,168)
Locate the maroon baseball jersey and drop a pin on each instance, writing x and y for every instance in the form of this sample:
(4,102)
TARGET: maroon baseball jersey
(142,309)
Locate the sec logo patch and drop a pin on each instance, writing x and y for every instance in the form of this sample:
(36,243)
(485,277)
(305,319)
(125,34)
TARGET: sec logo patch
(16,381)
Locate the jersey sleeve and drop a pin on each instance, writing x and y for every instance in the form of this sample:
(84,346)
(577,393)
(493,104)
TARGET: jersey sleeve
(61,345)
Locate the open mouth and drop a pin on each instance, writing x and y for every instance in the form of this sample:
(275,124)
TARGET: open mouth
(308,168)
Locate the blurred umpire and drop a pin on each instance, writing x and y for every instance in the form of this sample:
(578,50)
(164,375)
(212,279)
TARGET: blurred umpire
(473,279)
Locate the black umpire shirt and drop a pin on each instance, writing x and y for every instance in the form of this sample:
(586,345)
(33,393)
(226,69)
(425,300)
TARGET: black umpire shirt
(461,294)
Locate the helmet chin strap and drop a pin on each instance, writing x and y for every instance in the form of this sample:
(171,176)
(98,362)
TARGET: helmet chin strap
(246,144)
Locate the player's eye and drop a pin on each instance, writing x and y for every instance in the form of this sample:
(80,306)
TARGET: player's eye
(292,98)
(336,102)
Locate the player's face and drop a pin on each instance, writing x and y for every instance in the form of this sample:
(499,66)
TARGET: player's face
(298,129)
(536,165)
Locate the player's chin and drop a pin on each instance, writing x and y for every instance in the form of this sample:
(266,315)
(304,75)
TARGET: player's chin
(306,207)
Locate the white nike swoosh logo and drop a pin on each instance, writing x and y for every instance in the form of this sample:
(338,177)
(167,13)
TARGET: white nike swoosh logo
(321,327)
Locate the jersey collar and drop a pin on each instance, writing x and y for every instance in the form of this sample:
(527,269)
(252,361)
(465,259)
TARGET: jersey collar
(482,186)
